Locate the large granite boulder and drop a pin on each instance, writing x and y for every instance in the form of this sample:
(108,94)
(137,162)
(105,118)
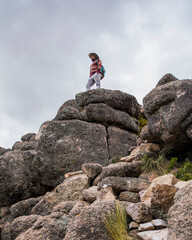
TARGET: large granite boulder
(180,214)
(65,145)
(168,110)
(113,98)
(88,223)
(51,227)
(18,178)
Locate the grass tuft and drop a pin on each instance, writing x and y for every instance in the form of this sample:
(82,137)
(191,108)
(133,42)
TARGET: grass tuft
(157,163)
(116,223)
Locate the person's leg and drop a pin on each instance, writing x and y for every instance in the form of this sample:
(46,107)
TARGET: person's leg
(90,83)
(98,80)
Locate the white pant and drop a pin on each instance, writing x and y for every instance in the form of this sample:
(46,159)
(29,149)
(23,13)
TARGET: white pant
(95,78)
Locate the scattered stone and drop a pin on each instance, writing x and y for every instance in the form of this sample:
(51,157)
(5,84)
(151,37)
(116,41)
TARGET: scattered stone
(159,223)
(129,197)
(120,184)
(162,199)
(105,194)
(154,235)
(90,194)
(23,207)
(91,169)
(168,179)
(139,212)
(146,226)
(133,225)
(70,190)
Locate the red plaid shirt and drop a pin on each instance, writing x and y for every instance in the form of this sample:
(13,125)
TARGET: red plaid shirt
(95,67)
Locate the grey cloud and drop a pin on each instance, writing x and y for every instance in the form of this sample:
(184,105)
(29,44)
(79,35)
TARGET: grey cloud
(44,48)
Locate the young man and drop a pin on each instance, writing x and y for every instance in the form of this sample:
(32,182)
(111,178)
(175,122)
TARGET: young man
(95,72)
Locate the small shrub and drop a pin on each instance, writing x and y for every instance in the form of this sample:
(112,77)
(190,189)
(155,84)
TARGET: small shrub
(185,172)
(116,224)
(173,164)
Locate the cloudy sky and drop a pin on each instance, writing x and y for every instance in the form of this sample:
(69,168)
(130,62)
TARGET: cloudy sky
(44,46)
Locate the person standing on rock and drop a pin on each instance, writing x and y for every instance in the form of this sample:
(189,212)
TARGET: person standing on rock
(96,72)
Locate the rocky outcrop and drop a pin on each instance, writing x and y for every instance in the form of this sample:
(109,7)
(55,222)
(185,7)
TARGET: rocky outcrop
(97,126)
(169,112)
(89,133)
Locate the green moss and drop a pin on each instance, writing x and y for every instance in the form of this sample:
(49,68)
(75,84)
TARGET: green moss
(116,159)
(142,122)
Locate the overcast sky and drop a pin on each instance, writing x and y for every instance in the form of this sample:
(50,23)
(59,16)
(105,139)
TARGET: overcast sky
(44,47)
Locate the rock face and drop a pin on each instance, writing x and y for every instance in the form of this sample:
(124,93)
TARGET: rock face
(180,215)
(168,110)
(95,127)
